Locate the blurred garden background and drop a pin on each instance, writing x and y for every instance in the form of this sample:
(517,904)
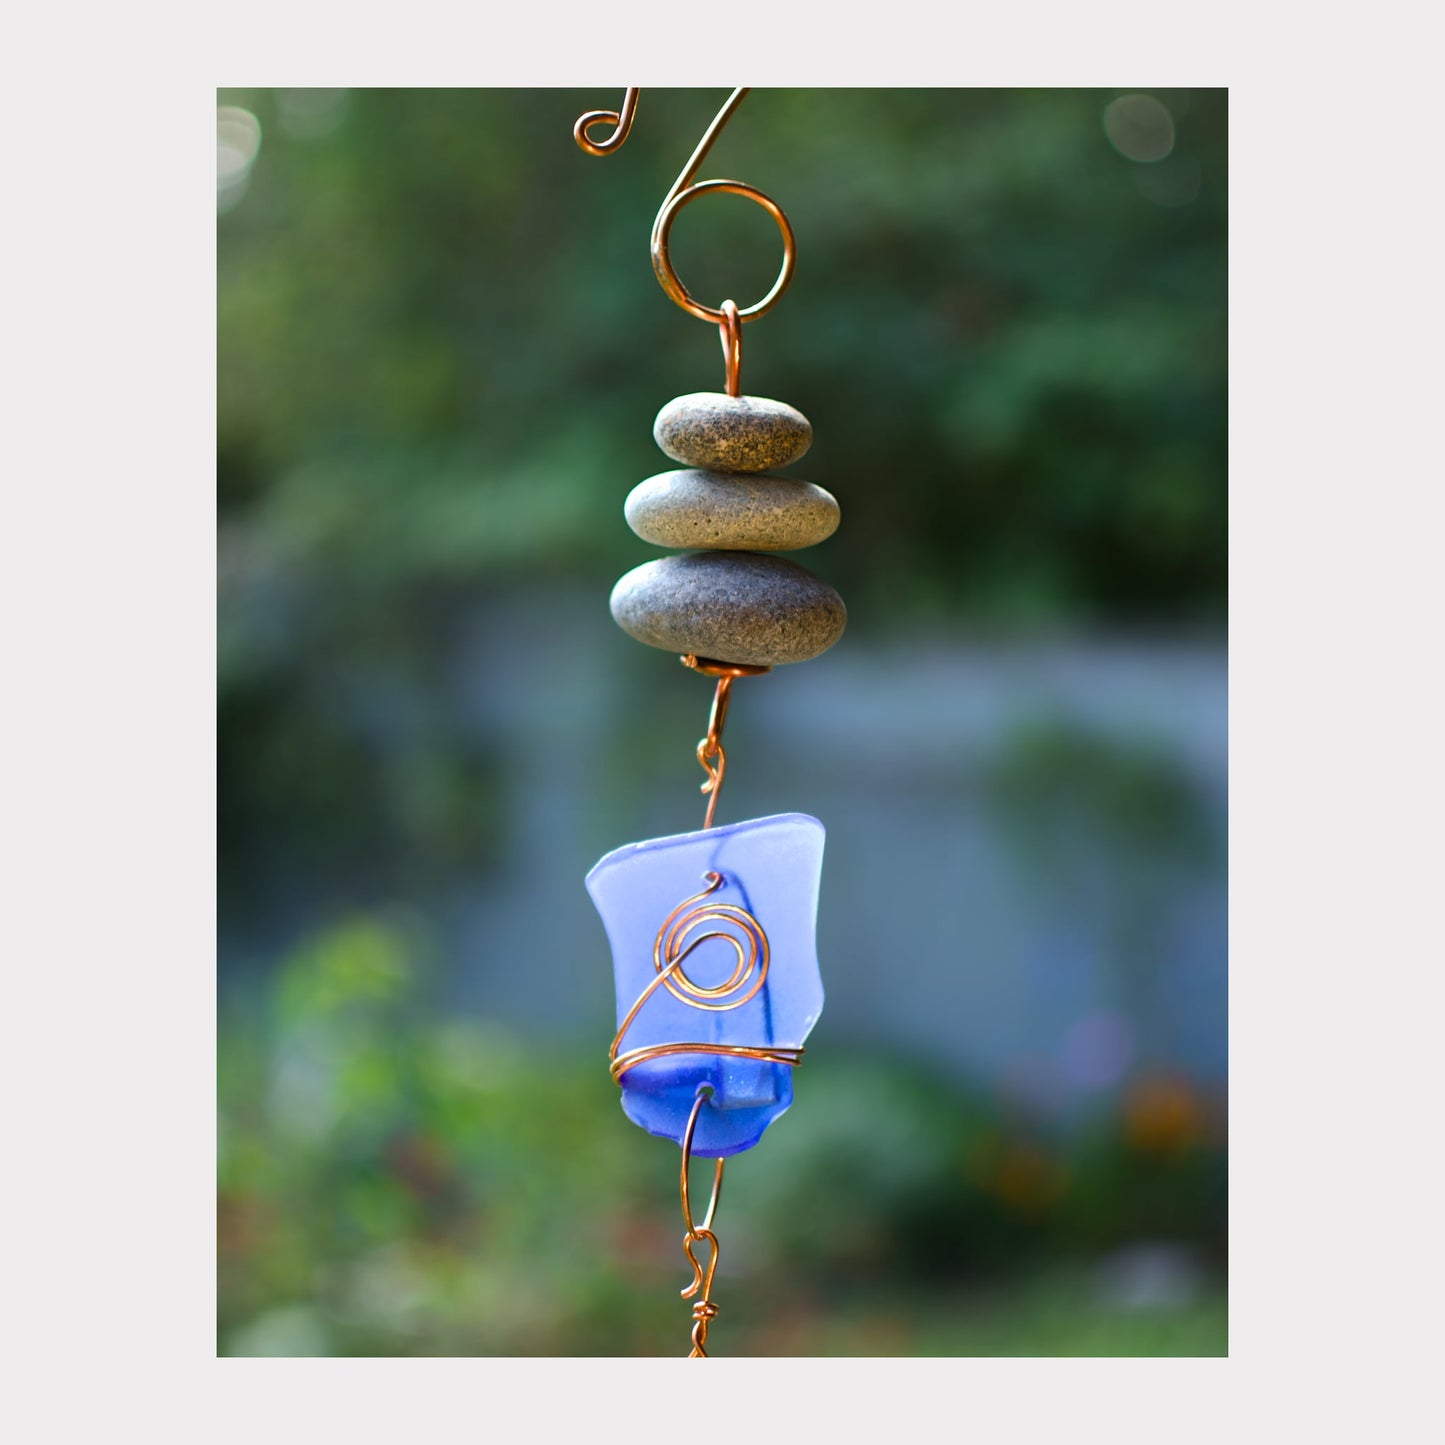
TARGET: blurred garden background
(441,349)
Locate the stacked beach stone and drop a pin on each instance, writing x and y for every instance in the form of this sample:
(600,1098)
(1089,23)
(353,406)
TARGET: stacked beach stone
(733,601)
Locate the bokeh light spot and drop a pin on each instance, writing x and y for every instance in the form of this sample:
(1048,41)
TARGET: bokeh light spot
(306,114)
(238,139)
(1140,127)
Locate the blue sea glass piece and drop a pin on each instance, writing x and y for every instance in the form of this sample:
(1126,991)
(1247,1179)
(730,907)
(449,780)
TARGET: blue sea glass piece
(737,906)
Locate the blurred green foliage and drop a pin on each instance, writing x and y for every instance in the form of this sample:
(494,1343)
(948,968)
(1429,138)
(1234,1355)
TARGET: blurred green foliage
(442,348)
(442,345)
(394,1181)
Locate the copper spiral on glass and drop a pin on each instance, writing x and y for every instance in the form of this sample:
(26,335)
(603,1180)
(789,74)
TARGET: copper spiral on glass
(676,940)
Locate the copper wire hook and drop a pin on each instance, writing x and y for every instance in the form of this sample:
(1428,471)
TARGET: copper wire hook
(684,190)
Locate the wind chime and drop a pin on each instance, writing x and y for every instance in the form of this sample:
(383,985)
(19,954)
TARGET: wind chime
(718,984)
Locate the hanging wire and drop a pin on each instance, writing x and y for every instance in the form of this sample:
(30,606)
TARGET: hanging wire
(728,317)
(727,923)
(710,752)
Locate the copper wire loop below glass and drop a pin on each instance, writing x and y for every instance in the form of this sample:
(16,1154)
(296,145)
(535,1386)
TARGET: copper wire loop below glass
(704,1093)
(704,1311)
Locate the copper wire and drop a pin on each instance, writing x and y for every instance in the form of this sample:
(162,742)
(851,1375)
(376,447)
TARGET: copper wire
(731,327)
(710,755)
(710,667)
(704,1093)
(704,1311)
(675,939)
(670,951)
(622,126)
(685,190)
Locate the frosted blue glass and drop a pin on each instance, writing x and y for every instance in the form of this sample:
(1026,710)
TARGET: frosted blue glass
(771,869)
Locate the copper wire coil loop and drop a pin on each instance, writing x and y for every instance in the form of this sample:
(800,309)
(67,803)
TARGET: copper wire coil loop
(662,257)
(680,925)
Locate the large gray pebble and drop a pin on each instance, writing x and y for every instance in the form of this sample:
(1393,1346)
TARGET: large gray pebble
(754,512)
(731,607)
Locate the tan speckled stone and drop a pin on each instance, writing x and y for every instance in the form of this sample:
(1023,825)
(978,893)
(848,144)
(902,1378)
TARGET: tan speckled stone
(730,606)
(754,511)
(723,433)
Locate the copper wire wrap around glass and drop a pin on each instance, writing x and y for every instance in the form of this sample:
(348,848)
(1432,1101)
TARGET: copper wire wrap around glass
(729,317)
(674,944)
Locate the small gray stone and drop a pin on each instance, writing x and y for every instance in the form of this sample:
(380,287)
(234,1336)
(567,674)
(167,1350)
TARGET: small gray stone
(732,433)
(731,607)
(756,511)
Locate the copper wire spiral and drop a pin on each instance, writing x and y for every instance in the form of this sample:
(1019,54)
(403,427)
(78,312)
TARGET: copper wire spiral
(670,951)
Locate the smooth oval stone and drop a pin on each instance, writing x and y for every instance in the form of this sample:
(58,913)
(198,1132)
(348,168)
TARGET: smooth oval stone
(731,607)
(754,512)
(732,433)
